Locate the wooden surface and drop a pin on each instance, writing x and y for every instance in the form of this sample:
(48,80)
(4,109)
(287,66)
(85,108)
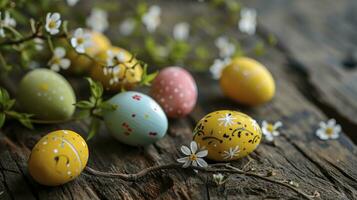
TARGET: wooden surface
(313,84)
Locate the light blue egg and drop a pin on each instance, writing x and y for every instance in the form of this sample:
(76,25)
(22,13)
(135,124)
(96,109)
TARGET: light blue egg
(138,119)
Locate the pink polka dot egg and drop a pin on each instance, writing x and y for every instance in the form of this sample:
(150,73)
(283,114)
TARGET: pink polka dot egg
(175,90)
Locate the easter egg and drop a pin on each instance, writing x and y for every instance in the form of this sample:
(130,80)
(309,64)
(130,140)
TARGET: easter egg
(247,81)
(58,158)
(47,95)
(127,74)
(81,63)
(138,120)
(175,90)
(227,135)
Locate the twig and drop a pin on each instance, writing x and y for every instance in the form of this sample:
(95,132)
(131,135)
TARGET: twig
(145,172)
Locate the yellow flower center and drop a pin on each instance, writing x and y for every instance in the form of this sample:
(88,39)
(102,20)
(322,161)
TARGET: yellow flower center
(329,131)
(52,24)
(270,128)
(56,60)
(193,157)
(80,40)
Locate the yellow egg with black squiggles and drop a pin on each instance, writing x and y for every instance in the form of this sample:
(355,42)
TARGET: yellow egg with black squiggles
(58,158)
(227,135)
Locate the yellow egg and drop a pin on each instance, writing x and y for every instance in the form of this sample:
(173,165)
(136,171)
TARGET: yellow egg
(247,81)
(58,158)
(81,63)
(227,135)
(129,73)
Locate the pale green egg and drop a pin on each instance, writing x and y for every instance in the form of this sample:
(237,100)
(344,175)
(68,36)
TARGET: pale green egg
(47,95)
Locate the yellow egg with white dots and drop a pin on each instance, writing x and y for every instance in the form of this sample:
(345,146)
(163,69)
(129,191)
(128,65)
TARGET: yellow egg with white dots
(227,135)
(58,158)
(247,81)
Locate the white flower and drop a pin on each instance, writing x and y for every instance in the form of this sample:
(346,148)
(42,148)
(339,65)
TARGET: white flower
(7,21)
(181,31)
(81,40)
(72,2)
(151,19)
(113,66)
(231,153)
(271,130)
(254,124)
(218,66)
(193,157)
(329,130)
(226,120)
(98,20)
(38,44)
(53,23)
(226,48)
(248,21)
(115,58)
(219,179)
(127,26)
(58,61)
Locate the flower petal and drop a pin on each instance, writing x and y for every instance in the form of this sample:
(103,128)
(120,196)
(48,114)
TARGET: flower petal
(202,162)
(331,122)
(55,16)
(183,160)
(278,124)
(193,147)
(185,150)
(59,52)
(202,154)
(65,63)
(187,163)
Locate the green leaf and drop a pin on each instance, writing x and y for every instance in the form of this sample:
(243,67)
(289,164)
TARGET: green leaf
(96,88)
(23,118)
(2,119)
(147,78)
(65,26)
(108,106)
(9,104)
(84,104)
(94,128)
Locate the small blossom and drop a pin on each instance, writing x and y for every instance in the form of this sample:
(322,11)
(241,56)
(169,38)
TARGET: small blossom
(81,40)
(248,21)
(271,130)
(231,153)
(151,19)
(38,44)
(53,23)
(328,130)
(218,66)
(58,61)
(127,26)
(114,60)
(7,21)
(193,157)
(226,48)
(72,2)
(98,20)
(219,179)
(226,119)
(181,31)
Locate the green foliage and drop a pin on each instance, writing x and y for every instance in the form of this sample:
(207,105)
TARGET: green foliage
(147,78)
(6,110)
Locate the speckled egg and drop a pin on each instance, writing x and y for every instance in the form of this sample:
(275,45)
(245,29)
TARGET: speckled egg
(138,120)
(58,158)
(227,135)
(247,81)
(47,95)
(175,90)
(128,75)
(81,63)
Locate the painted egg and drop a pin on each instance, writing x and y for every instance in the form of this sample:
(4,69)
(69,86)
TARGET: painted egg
(247,81)
(175,90)
(138,120)
(58,158)
(227,135)
(47,95)
(127,74)
(81,63)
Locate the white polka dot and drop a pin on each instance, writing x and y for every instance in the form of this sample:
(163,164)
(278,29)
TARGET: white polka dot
(162,82)
(161,90)
(55,151)
(162,100)
(61,98)
(84,144)
(167,88)
(44,143)
(170,97)
(176,90)
(69,173)
(170,109)
(175,74)
(179,86)
(185,105)
(67,165)
(65,132)
(181,95)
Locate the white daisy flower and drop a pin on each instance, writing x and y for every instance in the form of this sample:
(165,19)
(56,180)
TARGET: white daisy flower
(328,130)
(151,19)
(226,48)
(58,60)
(193,157)
(248,21)
(72,2)
(226,120)
(7,21)
(231,153)
(181,31)
(218,66)
(127,26)
(81,40)
(219,179)
(98,20)
(270,130)
(53,23)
